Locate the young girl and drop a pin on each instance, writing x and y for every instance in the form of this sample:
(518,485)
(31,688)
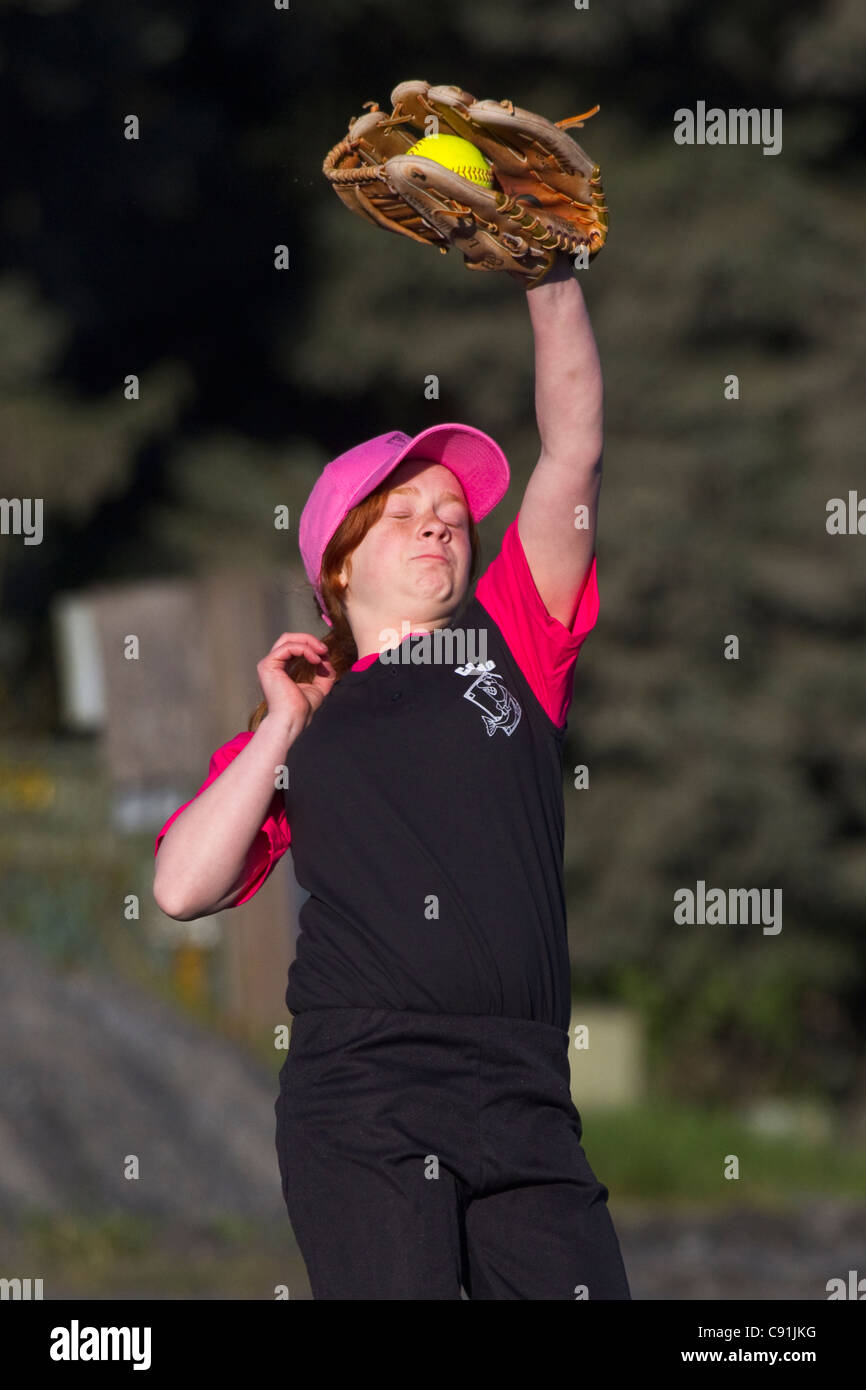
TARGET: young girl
(426,1136)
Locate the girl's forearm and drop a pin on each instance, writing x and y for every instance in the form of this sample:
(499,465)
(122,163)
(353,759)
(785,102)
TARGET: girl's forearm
(569,396)
(203,858)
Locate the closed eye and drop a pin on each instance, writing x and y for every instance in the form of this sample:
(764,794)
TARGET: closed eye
(403,516)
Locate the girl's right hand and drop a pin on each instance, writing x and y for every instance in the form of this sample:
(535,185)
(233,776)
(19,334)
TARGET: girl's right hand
(289,699)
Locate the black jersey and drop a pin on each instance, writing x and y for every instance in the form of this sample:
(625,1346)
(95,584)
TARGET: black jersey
(425,815)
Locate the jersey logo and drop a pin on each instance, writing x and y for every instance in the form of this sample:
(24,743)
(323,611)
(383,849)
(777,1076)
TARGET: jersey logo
(499,708)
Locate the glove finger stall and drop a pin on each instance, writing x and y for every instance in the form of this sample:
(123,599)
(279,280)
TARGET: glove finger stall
(480,222)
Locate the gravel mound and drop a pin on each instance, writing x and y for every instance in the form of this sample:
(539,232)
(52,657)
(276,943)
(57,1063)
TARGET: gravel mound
(94,1070)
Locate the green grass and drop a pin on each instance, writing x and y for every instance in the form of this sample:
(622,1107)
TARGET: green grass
(115,1255)
(674,1153)
(660,1156)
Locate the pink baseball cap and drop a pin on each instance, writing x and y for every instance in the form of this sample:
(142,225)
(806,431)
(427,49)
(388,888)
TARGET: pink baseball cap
(472,456)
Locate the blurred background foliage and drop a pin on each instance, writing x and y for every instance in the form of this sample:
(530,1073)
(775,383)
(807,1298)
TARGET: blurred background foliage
(155,257)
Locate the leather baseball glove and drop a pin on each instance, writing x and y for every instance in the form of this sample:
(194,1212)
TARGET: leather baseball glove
(546,197)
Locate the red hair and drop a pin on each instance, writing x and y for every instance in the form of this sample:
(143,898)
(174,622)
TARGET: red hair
(342,651)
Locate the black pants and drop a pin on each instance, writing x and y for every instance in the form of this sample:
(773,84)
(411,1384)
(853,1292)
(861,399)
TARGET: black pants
(419,1152)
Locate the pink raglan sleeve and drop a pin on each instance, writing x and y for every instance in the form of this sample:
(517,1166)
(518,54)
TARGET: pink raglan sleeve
(274,836)
(544,648)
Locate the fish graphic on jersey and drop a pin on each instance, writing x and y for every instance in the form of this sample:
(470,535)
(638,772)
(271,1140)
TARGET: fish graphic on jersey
(499,708)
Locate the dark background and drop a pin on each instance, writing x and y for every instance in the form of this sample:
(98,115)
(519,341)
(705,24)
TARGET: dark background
(156,257)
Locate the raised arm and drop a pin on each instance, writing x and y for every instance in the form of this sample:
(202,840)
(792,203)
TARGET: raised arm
(558,515)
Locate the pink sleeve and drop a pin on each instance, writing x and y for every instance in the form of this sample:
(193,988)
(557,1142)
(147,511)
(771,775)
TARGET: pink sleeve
(274,836)
(544,649)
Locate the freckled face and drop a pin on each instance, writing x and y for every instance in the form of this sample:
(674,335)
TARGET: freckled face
(414,562)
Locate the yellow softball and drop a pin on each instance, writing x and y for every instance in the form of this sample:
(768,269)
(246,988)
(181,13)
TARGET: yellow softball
(458,155)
